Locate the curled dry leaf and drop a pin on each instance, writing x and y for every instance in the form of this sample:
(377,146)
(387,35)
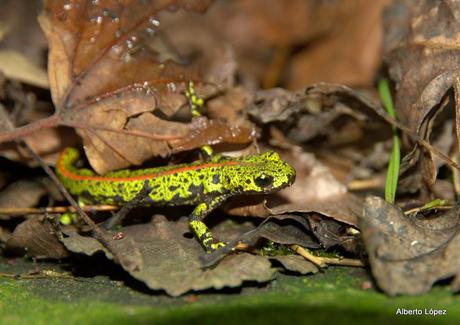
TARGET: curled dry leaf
(331,233)
(37,238)
(330,219)
(317,196)
(407,255)
(170,261)
(421,49)
(345,208)
(285,229)
(109,84)
(282,229)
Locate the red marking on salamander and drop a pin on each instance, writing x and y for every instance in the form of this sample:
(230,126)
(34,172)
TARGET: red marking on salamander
(68,174)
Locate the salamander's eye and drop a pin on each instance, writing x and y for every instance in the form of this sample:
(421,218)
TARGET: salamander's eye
(263,180)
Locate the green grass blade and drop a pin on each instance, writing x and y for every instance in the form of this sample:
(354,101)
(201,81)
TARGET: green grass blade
(391,183)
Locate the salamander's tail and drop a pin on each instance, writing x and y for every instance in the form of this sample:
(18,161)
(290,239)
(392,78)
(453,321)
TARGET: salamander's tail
(67,158)
(71,176)
(66,161)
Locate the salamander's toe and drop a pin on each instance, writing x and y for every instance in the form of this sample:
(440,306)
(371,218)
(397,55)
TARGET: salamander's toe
(211,247)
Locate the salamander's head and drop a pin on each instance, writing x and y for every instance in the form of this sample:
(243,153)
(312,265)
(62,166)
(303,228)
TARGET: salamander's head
(263,173)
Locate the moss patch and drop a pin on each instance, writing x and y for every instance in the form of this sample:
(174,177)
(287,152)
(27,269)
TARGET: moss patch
(334,296)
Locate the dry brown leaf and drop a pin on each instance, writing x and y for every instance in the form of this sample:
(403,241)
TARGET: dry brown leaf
(330,219)
(37,238)
(331,233)
(287,229)
(421,49)
(320,112)
(18,67)
(346,208)
(170,261)
(114,88)
(408,256)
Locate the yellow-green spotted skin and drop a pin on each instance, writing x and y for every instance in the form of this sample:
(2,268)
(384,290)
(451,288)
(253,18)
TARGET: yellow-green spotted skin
(204,184)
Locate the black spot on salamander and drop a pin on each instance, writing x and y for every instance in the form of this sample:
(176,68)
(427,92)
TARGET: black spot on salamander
(196,190)
(155,186)
(201,176)
(248,181)
(175,199)
(118,199)
(227,179)
(85,194)
(172,188)
(107,199)
(216,178)
(148,201)
(120,187)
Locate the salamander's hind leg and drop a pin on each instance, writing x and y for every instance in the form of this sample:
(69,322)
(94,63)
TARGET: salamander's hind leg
(202,232)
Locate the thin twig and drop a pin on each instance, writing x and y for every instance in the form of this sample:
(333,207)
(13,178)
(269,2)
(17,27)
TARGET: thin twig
(22,131)
(366,184)
(99,233)
(41,275)
(324,261)
(58,209)
(318,261)
(138,133)
(63,191)
(343,261)
(418,139)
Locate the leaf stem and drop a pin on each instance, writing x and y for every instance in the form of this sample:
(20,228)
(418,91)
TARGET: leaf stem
(23,131)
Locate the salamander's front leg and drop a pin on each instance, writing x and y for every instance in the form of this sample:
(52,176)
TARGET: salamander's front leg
(201,231)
